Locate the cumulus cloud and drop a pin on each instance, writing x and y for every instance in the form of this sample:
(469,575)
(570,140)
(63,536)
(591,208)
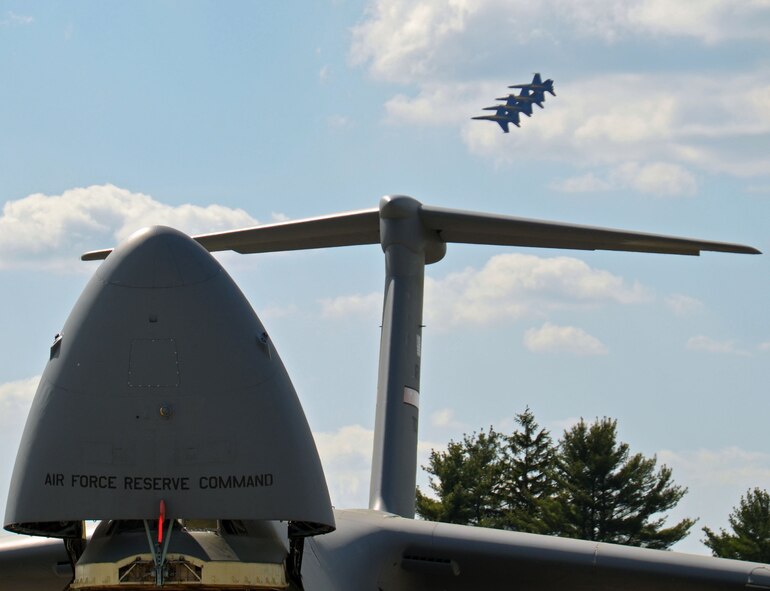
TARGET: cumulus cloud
(369,305)
(510,286)
(346,455)
(704,343)
(405,41)
(15,400)
(657,178)
(507,287)
(445,418)
(551,338)
(52,230)
(647,132)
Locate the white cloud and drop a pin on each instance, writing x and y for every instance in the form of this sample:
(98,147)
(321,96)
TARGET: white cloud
(440,104)
(704,343)
(507,287)
(657,178)
(369,305)
(711,21)
(510,286)
(730,465)
(683,305)
(716,479)
(346,455)
(324,74)
(764,346)
(586,183)
(444,418)
(666,123)
(52,230)
(15,400)
(656,125)
(408,41)
(551,338)
(11,19)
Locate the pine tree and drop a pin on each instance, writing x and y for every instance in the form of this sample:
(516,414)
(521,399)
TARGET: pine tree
(750,522)
(528,473)
(465,478)
(609,495)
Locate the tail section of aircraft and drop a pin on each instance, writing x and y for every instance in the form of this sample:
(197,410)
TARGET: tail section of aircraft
(198,457)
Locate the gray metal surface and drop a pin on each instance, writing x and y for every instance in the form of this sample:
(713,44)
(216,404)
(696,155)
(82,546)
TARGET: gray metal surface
(388,552)
(184,397)
(33,564)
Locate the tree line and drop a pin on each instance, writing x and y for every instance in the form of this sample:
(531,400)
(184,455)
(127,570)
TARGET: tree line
(585,485)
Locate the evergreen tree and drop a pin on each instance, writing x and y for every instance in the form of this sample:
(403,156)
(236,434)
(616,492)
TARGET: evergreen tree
(465,478)
(750,522)
(528,474)
(609,495)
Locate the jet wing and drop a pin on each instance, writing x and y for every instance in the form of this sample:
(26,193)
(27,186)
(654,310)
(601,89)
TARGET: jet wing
(410,554)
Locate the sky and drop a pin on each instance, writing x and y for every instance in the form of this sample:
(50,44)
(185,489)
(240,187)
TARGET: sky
(207,116)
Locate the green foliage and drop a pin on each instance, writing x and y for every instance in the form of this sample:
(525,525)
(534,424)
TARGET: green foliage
(607,494)
(465,478)
(528,483)
(587,486)
(750,522)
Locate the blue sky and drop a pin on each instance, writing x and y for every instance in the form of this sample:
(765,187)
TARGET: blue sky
(208,116)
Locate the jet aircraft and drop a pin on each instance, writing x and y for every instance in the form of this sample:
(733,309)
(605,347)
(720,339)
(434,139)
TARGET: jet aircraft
(199,462)
(525,100)
(502,117)
(537,84)
(520,103)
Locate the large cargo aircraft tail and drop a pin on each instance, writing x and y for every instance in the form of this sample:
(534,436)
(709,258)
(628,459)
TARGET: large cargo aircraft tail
(413,235)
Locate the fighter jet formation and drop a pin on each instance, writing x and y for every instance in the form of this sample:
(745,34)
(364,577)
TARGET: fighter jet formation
(515,104)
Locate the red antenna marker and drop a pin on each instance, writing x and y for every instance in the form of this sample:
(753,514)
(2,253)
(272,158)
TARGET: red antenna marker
(161,519)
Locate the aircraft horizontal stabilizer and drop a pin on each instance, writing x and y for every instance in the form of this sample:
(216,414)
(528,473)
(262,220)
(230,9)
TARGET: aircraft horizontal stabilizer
(341,229)
(484,228)
(451,225)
